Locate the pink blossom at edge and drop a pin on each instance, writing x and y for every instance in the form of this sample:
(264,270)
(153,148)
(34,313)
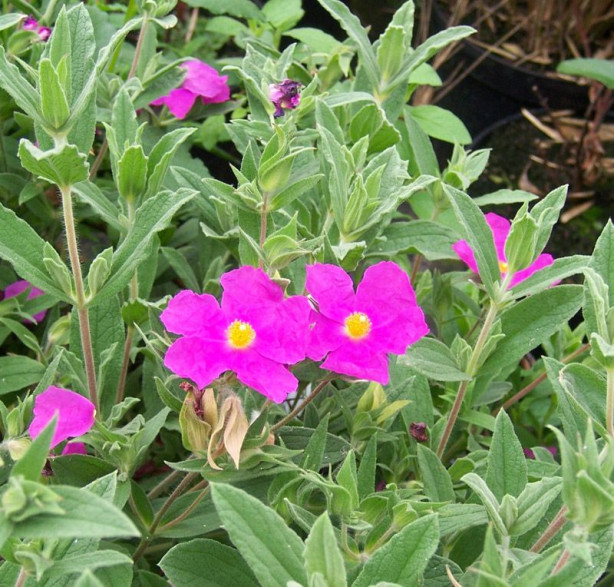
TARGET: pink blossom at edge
(14,289)
(387,302)
(500,227)
(75,414)
(280,328)
(202,81)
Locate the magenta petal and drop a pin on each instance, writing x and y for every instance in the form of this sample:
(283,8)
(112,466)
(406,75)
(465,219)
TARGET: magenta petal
(385,295)
(541,262)
(179,102)
(326,335)
(332,289)
(14,289)
(74,448)
(75,414)
(193,315)
(283,338)
(464,252)
(204,81)
(268,377)
(247,293)
(199,360)
(500,227)
(356,360)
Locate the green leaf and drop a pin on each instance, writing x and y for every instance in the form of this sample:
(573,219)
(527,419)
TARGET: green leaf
(271,549)
(353,27)
(432,240)
(505,196)
(161,156)
(587,387)
(207,563)
(85,516)
(91,194)
(91,560)
(454,517)
(560,269)
(9,20)
(533,503)
(283,14)
(150,218)
(529,322)
(416,148)
(63,166)
(132,172)
(314,451)
(31,464)
(432,358)
(441,124)
(317,40)
(404,557)
(487,498)
(239,8)
(19,372)
(602,259)
(435,478)
(346,477)
(507,466)
(322,553)
(601,70)
(182,267)
(24,94)
(479,236)
(54,105)
(366,469)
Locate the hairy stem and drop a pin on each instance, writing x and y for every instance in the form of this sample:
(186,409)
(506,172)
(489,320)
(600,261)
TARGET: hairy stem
(471,369)
(303,404)
(550,532)
(21,578)
(84,321)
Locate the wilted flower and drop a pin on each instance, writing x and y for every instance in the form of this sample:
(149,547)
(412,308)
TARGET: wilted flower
(284,96)
(31,24)
(200,80)
(255,333)
(419,432)
(500,228)
(75,414)
(356,331)
(14,289)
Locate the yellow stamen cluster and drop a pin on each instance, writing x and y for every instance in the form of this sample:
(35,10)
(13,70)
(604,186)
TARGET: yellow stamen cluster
(240,334)
(503,266)
(357,325)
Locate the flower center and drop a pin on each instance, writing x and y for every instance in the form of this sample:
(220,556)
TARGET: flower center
(357,325)
(503,266)
(240,334)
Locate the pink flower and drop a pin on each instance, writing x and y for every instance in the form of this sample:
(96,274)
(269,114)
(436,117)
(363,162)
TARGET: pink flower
(14,289)
(500,228)
(75,414)
(284,96)
(31,24)
(356,331)
(255,333)
(201,80)
(74,448)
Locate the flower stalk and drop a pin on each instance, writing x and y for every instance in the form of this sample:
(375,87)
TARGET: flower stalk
(81,303)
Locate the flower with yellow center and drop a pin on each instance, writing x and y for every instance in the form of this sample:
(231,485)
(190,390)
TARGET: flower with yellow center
(357,325)
(240,334)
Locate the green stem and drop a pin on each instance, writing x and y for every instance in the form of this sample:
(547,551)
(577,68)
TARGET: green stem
(474,361)
(609,409)
(139,45)
(84,321)
(263,224)
(303,404)
(178,491)
(204,487)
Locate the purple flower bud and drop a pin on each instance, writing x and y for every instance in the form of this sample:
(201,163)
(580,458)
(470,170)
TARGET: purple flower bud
(418,431)
(285,96)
